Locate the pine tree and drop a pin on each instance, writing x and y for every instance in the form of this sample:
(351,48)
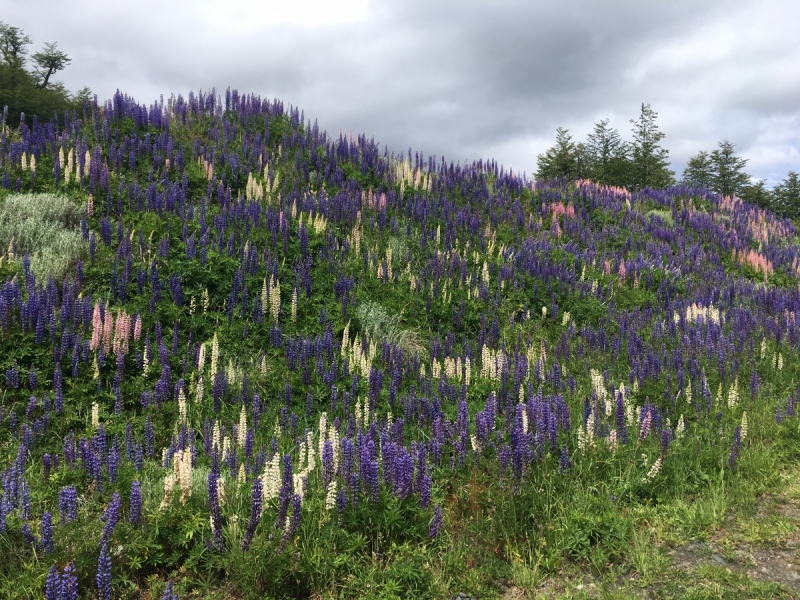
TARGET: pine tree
(699,171)
(608,155)
(728,176)
(758,194)
(559,161)
(787,196)
(650,167)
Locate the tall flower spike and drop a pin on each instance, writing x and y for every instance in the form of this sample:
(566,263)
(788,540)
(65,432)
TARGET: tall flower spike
(104,574)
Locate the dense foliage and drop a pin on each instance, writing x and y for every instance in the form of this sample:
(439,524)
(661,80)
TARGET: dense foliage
(281,364)
(30,93)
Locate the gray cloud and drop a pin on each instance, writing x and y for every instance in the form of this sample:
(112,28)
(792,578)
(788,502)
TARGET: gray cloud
(463,79)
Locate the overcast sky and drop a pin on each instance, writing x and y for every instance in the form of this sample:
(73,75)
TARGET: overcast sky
(463,79)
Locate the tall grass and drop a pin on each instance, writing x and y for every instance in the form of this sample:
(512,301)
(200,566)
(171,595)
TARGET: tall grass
(46,227)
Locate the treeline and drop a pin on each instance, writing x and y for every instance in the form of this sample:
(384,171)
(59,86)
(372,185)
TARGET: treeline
(25,81)
(608,159)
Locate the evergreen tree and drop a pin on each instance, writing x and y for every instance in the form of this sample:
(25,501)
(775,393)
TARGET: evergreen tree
(700,170)
(559,161)
(758,194)
(650,167)
(728,176)
(608,155)
(787,196)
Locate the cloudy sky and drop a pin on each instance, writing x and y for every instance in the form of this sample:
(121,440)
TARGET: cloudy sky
(463,79)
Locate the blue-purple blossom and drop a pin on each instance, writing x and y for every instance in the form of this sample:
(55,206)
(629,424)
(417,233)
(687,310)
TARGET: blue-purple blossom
(104,574)
(135,513)
(436,522)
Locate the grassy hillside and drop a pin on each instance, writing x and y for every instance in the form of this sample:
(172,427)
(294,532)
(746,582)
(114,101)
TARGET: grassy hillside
(244,359)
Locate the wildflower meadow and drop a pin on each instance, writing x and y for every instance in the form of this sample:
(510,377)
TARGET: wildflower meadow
(243,358)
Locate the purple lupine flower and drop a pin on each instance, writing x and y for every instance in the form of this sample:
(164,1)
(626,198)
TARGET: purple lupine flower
(403,473)
(294,521)
(69,583)
(111,517)
(27,534)
(68,504)
(255,514)
(341,501)
(135,514)
(286,492)
(424,488)
(112,462)
(32,377)
(52,585)
(564,462)
(436,523)
(779,415)
(644,429)
(622,430)
(149,437)
(104,574)
(666,437)
(47,464)
(25,500)
(735,447)
(168,593)
(47,533)
(217,542)
(327,462)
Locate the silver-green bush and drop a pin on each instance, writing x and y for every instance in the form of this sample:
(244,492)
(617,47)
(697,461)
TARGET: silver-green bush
(46,227)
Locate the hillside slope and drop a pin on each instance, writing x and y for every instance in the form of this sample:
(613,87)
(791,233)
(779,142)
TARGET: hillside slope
(259,361)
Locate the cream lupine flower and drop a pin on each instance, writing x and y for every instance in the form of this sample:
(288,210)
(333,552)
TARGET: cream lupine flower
(733,394)
(271,479)
(744,425)
(201,358)
(654,470)
(205,300)
(169,484)
(181,407)
(226,448)
(680,428)
(330,497)
(214,357)
(184,464)
(198,390)
(294,305)
(215,437)
(763,348)
(242,432)
(612,441)
(221,490)
(274,298)
(95,416)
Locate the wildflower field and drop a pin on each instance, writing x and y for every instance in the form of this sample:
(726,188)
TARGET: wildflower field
(245,359)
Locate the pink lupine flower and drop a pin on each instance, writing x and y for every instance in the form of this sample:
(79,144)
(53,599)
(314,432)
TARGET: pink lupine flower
(108,330)
(97,328)
(137,328)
